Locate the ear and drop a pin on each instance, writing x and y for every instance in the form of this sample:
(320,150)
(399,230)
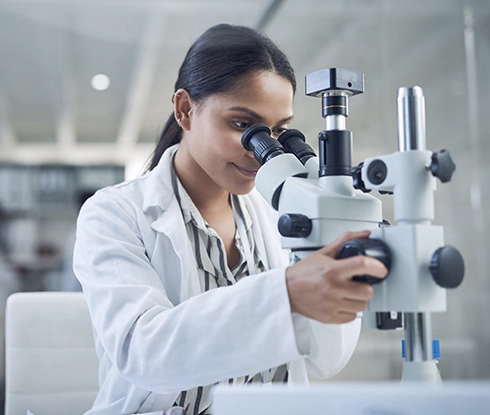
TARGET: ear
(183,108)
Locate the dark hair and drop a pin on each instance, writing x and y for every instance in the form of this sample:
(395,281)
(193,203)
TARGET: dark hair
(217,62)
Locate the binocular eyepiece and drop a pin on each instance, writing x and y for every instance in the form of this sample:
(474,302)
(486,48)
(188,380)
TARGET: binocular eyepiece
(257,138)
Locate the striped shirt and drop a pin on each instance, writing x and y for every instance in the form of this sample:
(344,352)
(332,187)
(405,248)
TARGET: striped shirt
(214,272)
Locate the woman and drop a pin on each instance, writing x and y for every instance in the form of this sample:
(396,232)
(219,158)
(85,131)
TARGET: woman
(167,260)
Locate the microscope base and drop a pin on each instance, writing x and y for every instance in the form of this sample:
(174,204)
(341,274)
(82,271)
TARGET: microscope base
(425,372)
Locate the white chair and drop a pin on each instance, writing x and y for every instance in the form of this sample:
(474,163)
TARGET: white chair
(51,365)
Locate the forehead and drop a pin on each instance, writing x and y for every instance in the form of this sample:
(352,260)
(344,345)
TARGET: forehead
(266,93)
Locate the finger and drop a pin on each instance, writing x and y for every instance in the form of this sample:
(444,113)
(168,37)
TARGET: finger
(332,249)
(343,317)
(356,291)
(359,265)
(352,306)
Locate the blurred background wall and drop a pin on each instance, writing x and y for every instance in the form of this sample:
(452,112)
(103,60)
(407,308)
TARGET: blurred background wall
(63,135)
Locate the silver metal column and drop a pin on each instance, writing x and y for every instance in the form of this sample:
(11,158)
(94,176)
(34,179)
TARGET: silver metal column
(411,119)
(418,337)
(411,136)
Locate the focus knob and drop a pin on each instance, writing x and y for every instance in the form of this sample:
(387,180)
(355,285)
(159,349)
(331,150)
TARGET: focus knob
(293,225)
(374,248)
(447,267)
(442,166)
(357,181)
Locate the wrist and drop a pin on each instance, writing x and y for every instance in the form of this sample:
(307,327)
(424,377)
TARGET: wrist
(290,285)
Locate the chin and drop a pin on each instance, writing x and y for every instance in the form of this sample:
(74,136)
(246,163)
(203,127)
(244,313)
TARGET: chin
(242,189)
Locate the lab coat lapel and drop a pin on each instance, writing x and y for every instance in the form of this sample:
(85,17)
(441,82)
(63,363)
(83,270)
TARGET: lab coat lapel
(264,228)
(171,225)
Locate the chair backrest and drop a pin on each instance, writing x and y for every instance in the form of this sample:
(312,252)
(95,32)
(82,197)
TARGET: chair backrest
(51,364)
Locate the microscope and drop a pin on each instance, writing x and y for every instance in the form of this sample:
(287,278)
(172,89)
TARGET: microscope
(320,197)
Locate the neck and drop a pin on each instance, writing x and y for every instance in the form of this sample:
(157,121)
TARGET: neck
(203,191)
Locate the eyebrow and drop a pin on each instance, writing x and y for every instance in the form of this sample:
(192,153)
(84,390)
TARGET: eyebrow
(257,116)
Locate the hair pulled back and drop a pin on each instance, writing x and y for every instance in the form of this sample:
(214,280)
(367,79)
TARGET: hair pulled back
(221,58)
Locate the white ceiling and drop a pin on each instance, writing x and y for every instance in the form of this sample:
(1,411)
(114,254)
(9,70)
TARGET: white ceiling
(50,49)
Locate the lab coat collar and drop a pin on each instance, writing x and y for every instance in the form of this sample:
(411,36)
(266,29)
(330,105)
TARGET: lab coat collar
(171,224)
(159,194)
(262,251)
(158,189)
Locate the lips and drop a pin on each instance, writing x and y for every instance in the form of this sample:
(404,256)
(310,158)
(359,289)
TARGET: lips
(247,172)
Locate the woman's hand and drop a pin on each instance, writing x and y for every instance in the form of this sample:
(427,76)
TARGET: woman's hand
(321,287)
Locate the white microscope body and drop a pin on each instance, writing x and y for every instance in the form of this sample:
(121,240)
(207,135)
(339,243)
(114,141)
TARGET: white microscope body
(318,198)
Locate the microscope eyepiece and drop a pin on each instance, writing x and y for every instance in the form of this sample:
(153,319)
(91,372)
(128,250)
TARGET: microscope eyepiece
(257,138)
(294,142)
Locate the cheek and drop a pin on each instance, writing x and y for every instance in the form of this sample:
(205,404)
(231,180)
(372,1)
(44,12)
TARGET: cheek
(213,153)
(227,146)
(216,144)
(205,143)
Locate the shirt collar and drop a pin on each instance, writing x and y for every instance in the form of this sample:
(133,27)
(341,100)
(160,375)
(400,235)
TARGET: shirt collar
(190,212)
(247,218)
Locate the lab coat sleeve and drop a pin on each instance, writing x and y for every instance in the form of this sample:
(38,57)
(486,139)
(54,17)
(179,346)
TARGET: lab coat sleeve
(326,347)
(223,333)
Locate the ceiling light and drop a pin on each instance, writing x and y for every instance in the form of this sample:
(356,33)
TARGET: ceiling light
(100,82)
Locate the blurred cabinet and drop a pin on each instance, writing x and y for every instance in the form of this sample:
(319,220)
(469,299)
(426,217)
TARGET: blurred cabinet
(40,189)
(38,210)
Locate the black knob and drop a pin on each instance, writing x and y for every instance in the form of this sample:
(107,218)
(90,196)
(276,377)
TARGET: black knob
(357,181)
(377,172)
(294,225)
(375,248)
(447,267)
(442,166)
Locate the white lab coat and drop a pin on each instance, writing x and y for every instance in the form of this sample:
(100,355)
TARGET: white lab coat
(155,333)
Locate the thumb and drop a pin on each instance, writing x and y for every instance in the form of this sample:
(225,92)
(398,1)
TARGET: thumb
(332,249)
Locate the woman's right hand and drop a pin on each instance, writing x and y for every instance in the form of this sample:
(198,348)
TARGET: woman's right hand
(321,287)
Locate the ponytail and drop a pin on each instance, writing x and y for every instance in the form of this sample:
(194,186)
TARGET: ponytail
(171,134)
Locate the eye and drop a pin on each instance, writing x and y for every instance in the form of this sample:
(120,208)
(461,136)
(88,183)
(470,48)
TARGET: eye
(278,131)
(242,125)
